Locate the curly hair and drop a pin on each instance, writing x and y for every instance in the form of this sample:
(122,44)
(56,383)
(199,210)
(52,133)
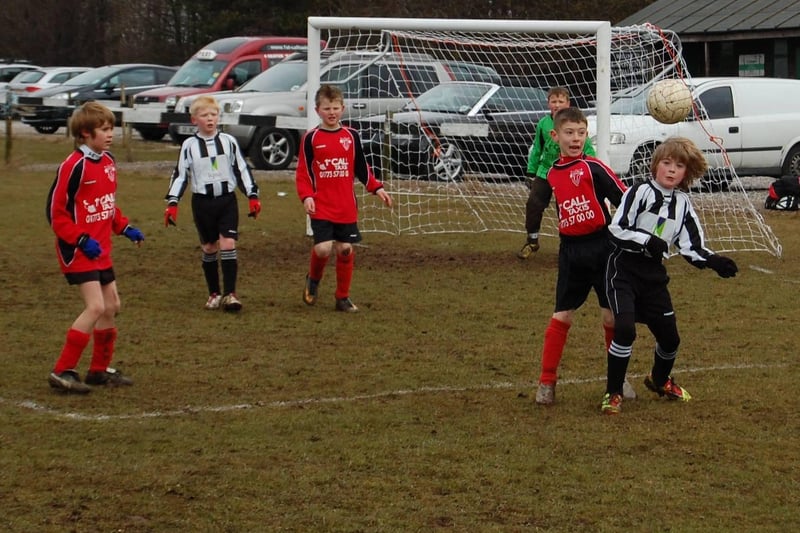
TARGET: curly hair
(684,151)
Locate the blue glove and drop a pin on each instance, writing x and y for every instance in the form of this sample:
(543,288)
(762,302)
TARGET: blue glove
(90,247)
(134,234)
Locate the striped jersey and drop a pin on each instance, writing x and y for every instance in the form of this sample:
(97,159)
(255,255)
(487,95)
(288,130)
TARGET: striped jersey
(328,164)
(212,166)
(649,209)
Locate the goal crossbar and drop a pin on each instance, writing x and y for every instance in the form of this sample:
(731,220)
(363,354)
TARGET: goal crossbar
(601,30)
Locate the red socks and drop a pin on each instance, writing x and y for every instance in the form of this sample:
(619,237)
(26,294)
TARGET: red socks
(71,352)
(344,274)
(555,337)
(317,266)
(103,349)
(609,331)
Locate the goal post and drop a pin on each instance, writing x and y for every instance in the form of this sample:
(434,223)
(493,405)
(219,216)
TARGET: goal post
(458,164)
(600,29)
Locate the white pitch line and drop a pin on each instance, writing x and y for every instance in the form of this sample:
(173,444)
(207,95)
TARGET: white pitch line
(43,409)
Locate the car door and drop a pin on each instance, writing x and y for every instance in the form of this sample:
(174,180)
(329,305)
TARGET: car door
(718,128)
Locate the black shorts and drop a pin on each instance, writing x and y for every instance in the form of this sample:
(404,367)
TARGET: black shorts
(215,216)
(581,268)
(637,284)
(103,276)
(325,231)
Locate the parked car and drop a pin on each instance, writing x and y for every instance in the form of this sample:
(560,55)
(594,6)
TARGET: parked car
(51,108)
(9,69)
(456,128)
(372,83)
(754,119)
(30,81)
(221,65)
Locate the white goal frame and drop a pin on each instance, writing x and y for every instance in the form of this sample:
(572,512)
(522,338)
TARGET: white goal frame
(600,29)
(490,198)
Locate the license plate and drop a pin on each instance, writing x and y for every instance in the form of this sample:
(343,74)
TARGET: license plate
(186,130)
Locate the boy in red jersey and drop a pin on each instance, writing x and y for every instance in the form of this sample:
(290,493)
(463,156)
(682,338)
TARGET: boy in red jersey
(83,214)
(582,186)
(330,157)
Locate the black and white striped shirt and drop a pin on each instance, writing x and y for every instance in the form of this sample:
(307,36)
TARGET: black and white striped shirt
(213,166)
(648,209)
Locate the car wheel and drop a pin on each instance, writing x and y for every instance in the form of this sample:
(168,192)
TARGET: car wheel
(273,149)
(151,134)
(47,130)
(447,162)
(640,165)
(791,166)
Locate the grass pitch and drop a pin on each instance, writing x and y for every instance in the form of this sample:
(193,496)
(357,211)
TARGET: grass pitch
(416,414)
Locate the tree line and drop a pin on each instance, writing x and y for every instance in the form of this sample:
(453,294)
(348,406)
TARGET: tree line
(101,32)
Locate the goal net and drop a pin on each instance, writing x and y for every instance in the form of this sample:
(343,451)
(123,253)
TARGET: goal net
(454,154)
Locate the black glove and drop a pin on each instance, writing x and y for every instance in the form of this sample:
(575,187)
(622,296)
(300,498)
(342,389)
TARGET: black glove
(90,247)
(656,247)
(724,266)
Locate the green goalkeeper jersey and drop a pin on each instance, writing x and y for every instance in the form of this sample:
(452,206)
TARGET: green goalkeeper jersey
(545,151)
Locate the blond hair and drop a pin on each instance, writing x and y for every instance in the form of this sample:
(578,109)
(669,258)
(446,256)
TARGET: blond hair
(203,102)
(684,151)
(87,118)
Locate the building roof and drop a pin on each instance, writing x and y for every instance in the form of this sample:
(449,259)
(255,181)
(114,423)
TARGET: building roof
(774,17)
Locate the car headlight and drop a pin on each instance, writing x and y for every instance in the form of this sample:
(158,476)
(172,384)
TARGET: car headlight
(61,96)
(234,106)
(617,138)
(171,101)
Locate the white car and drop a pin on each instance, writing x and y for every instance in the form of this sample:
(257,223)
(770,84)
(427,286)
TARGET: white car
(39,78)
(755,120)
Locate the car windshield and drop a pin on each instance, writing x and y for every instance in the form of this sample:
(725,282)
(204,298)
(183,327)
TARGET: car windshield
(92,76)
(283,77)
(197,73)
(451,98)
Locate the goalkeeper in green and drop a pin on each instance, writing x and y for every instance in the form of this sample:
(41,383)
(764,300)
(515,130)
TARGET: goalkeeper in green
(543,153)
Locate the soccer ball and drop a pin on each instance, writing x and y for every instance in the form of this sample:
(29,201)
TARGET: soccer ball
(669,101)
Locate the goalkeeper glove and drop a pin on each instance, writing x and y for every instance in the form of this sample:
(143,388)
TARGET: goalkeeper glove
(656,247)
(255,207)
(171,215)
(724,266)
(90,247)
(134,234)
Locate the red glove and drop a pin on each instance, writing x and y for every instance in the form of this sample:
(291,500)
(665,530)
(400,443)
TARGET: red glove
(255,207)
(171,215)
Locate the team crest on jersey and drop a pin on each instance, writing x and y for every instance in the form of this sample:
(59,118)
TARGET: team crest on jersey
(575,175)
(111,172)
(346,142)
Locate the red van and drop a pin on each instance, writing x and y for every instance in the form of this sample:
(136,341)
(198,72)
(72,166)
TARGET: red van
(222,65)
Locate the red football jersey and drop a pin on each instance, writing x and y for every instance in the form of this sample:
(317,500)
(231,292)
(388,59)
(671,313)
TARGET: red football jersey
(327,165)
(83,200)
(581,187)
